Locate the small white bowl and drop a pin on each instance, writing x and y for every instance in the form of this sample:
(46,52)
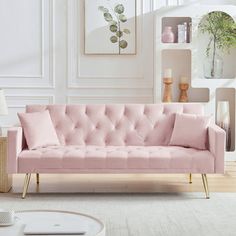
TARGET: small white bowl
(7,218)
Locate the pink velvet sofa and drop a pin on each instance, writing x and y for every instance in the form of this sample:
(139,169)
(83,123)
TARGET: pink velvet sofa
(115,139)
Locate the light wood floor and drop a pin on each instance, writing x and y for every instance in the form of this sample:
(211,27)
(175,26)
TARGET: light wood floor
(129,183)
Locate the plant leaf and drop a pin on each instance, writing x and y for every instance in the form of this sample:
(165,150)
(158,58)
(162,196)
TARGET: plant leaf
(119,34)
(113,28)
(119,8)
(122,18)
(113,39)
(113,22)
(103,9)
(221,29)
(123,44)
(108,17)
(127,31)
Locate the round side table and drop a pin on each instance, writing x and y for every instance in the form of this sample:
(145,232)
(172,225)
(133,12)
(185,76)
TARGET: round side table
(94,226)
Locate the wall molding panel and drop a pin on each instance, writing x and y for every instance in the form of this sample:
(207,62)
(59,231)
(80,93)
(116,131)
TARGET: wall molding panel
(19,101)
(46,78)
(79,79)
(108,99)
(56,70)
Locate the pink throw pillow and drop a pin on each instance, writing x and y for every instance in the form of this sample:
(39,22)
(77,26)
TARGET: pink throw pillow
(38,129)
(190,131)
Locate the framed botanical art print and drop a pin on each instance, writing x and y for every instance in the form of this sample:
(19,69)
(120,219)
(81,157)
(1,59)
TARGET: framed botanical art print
(110,27)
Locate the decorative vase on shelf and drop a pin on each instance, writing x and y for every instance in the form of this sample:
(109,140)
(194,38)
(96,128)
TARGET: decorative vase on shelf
(168,35)
(223,120)
(213,66)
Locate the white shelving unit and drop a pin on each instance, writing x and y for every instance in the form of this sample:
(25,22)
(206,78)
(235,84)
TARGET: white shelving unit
(186,59)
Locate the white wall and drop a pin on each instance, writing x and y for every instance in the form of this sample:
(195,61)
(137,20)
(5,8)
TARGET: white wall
(42,59)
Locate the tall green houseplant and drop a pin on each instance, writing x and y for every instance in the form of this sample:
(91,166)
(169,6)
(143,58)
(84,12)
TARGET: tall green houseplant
(221,29)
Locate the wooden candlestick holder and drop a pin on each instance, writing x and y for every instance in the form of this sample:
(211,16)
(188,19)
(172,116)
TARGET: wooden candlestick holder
(183,92)
(167,97)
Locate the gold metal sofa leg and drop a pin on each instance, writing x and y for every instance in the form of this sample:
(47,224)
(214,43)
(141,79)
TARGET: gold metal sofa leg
(26,185)
(205,184)
(37,178)
(190,178)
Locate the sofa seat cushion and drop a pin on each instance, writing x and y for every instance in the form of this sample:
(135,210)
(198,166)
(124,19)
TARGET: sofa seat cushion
(116,157)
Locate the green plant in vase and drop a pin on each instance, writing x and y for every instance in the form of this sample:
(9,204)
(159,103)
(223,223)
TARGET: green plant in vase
(115,18)
(221,29)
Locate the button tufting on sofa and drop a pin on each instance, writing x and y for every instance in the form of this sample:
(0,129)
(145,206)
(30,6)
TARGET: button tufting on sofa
(146,111)
(155,125)
(106,112)
(135,157)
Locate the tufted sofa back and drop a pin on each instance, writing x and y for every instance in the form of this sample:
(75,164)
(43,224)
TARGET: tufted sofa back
(115,124)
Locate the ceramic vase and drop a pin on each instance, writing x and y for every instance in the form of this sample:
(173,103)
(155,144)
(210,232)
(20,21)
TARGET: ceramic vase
(168,35)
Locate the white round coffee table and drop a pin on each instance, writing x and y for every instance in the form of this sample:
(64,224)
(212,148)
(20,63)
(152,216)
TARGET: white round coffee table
(94,226)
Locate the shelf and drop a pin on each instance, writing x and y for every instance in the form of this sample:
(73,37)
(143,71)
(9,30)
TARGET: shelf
(213,83)
(228,94)
(175,46)
(187,59)
(180,63)
(173,22)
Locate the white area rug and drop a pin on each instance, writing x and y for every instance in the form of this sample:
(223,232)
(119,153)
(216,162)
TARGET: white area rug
(143,214)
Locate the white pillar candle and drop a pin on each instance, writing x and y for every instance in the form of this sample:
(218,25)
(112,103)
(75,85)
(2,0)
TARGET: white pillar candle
(168,73)
(184,80)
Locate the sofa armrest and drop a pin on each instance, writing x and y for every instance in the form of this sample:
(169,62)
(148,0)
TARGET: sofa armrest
(14,147)
(217,138)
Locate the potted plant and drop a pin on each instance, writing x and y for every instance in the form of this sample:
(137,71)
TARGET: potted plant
(221,29)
